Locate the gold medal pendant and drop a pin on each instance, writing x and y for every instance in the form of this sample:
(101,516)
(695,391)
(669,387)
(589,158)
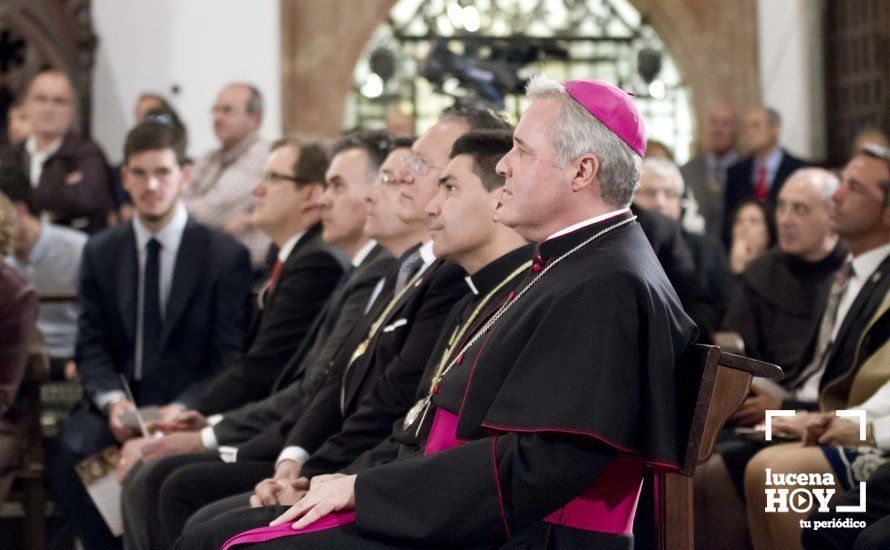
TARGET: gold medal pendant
(414,412)
(359,350)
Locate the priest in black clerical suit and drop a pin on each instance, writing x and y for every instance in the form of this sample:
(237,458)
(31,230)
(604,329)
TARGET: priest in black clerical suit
(542,422)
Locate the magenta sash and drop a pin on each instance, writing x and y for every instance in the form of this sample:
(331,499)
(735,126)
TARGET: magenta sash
(607,506)
(267,533)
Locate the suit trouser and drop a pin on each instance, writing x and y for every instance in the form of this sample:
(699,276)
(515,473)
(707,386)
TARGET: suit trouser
(159,497)
(211,535)
(193,487)
(139,500)
(876,516)
(85,433)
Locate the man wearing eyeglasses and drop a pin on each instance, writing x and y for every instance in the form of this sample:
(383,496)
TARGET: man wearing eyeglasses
(222,181)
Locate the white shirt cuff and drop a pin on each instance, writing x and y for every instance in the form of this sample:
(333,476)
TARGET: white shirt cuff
(295,453)
(881,427)
(102,400)
(215,419)
(208,438)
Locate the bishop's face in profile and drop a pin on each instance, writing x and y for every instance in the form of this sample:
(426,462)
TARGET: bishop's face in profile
(536,189)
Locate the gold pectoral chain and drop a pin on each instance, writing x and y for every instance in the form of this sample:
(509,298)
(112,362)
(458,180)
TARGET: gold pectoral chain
(456,335)
(363,346)
(425,402)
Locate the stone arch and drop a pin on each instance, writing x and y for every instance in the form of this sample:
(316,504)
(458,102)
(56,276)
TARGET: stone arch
(713,43)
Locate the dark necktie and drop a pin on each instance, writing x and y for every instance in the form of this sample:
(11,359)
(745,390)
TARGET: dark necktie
(151,308)
(826,327)
(407,270)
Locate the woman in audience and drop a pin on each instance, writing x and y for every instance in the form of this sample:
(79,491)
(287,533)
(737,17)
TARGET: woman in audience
(753,231)
(18,318)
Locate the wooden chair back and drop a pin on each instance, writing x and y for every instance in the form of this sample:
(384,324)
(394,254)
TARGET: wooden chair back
(712,386)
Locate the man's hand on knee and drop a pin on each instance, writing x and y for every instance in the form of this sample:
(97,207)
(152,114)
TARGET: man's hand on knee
(172,445)
(131,453)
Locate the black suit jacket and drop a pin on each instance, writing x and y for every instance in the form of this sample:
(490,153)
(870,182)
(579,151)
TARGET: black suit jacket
(843,351)
(398,353)
(708,301)
(739,186)
(75,184)
(307,367)
(308,276)
(205,322)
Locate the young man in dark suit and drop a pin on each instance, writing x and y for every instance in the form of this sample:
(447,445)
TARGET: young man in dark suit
(350,176)
(165,305)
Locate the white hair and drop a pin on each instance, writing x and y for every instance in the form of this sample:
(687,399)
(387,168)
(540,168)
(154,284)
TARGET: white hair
(664,168)
(826,182)
(578,132)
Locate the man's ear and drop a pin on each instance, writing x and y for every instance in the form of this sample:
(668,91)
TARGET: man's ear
(186,175)
(312,196)
(587,168)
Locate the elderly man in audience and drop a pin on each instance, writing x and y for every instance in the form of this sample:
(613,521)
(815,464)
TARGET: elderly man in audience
(71,178)
(761,175)
(350,175)
(518,425)
(860,329)
(222,179)
(47,255)
(165,304)
(661,188)
(18,314)
(377,383)
(705,174)
(848,343)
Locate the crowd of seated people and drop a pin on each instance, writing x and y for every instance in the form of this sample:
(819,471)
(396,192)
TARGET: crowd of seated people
(464,338)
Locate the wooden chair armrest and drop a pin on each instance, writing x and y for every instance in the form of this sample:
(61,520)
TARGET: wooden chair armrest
(753,366)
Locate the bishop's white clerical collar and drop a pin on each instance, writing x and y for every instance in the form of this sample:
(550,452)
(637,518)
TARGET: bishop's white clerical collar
(587,222)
